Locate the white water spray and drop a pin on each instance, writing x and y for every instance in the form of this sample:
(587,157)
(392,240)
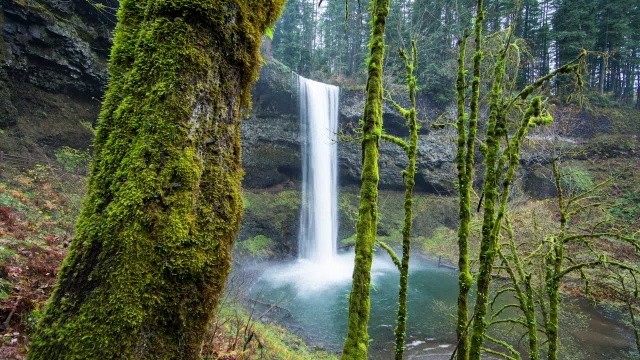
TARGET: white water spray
(318,104)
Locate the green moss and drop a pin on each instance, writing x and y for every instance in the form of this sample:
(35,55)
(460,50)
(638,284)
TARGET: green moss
(258,246)
(357,341)
(442,236)
(279,209)
(576,179)
(351,240)
(153,242)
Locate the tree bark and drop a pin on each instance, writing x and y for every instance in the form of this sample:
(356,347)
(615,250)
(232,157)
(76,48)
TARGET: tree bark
(465,160)
(357,342)
(152,248)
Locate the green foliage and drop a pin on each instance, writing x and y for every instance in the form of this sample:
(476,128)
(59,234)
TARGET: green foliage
(240,334)
(627,207)
(294,34)
(576,179)
(351,240)
(37,211)
(347,205)
(256,247)
(281,209)
(329,42)
(73,160)
(269,33)
(442,237)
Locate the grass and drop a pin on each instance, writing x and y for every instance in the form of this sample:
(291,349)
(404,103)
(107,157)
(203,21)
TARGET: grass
(239,333)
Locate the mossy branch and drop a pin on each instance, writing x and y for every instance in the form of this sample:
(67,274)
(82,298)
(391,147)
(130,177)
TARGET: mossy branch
(571,66)
(511,349)
(397,141)
(392,254)
(601,261)
(517,321)
(403,112)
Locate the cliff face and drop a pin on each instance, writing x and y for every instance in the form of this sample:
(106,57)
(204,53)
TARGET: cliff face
(57,46)
(53,67)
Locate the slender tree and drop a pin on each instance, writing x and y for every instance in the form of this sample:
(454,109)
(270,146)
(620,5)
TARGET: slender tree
(520,276)
(465,159)
(408,175)
(153,242)
(357,342)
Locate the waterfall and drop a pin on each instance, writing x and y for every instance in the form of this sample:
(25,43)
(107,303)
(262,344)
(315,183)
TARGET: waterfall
(318,105)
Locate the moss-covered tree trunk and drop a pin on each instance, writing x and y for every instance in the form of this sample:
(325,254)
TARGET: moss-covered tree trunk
(152,247)
(554,269)
(408,175)
(521,281)
(464,212)
(357,341)
(465,159)
(496,124)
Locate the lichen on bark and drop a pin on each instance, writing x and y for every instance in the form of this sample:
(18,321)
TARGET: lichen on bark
(152,246)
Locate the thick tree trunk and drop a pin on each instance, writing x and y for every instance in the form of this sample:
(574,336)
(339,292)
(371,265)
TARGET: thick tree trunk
(152,247)
(357,342)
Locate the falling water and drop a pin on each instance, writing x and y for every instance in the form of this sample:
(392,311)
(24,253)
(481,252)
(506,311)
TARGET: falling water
(318,104)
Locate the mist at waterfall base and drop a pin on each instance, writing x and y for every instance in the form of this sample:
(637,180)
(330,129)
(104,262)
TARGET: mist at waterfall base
(314,289)
(318,265)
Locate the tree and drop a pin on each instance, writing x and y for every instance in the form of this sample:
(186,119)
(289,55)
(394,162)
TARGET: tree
(357,341)
(501,162)
(411,150)
(153,242)
(501,165)
(559,263)
(293,36)
(467,127)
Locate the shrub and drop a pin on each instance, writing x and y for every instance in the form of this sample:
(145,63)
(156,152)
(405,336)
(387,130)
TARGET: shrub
(259,246)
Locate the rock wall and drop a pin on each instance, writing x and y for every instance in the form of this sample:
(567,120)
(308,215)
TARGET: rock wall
(53,68)
(57,46)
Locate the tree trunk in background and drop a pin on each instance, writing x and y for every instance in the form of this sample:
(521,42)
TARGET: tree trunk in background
(357,342)
(153,242)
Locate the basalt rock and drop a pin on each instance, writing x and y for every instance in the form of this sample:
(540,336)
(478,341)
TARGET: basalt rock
(53,68)
(58,46)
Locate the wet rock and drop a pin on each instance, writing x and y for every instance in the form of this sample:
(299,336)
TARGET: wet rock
(53,47)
